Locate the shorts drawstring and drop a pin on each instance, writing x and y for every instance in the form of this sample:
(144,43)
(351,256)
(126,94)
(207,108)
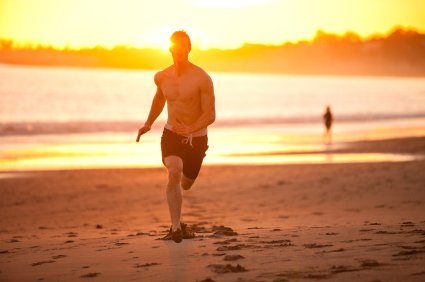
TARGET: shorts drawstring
(187,140)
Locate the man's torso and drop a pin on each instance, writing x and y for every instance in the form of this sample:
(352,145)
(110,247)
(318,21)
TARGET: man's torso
(182,94)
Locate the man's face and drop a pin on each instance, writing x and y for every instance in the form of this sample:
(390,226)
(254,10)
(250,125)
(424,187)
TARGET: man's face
(180,49)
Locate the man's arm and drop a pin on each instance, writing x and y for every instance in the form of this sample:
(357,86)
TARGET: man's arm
(207,107)
(157,106)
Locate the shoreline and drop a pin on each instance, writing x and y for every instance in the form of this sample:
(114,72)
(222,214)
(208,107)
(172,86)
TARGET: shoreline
(115,151)
(402,145)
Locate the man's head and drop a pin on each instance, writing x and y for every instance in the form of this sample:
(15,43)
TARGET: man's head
(180,45)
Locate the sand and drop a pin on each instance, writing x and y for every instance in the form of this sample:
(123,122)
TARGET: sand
(330,222)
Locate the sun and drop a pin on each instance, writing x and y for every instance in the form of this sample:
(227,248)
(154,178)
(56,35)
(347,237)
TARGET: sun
(155,39)
(162,41)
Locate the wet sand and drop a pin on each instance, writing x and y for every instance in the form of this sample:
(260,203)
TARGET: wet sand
(330,222)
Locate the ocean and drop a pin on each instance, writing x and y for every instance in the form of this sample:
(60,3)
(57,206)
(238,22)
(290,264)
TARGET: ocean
(58,117)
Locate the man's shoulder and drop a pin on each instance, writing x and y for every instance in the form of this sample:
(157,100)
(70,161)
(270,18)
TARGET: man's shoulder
(160,75)
(201,73)
(199,70)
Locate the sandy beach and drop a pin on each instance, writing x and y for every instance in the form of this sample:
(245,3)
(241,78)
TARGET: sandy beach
(327,222)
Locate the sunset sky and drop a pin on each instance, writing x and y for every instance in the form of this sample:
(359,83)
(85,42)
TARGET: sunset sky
(210,23)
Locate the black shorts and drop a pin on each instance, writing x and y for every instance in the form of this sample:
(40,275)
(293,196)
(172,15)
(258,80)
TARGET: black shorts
(173,144)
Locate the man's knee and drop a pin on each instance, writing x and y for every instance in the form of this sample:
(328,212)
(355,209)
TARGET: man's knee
(174,167)
(174,174)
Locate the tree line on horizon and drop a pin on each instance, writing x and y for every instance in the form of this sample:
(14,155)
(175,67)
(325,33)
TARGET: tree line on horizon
(400,53)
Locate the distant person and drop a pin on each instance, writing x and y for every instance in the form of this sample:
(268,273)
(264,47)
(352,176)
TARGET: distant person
(328,119)
(189,93)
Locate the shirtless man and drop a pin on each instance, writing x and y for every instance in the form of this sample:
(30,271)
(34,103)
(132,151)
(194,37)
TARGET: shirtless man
(189,93)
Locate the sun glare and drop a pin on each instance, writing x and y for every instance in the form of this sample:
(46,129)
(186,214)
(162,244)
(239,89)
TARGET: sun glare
(164,43)
(161,39)
(229,4)
(158,40)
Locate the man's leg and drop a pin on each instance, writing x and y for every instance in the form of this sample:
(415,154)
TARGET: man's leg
(330,135)
(187,182)
(193,162)
(174,165)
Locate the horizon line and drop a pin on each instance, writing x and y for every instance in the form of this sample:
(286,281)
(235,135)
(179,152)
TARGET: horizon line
(38,45)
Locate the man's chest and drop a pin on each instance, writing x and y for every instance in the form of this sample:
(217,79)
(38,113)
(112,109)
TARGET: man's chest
(180,89)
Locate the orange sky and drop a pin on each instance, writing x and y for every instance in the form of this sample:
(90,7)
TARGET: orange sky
(210,23)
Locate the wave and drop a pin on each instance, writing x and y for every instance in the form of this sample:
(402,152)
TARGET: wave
(70,127)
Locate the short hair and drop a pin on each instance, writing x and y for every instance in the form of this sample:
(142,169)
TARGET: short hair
(178,35)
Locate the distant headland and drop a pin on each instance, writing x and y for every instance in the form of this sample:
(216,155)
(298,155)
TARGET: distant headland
(400,53)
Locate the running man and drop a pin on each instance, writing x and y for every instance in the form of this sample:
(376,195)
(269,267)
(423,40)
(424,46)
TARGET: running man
(327,120)
(189,93)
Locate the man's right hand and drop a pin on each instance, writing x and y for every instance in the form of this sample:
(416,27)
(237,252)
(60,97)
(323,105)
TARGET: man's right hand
(142,131)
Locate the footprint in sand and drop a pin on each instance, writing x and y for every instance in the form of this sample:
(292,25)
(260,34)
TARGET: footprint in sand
(121,243)
(42,262)
(343,268)
(334,251)
(418,273)
(408,253)
(282,182)
(226,242)
(223,231)
(90,275)
(278,243)
(386,232)
(137,265)
(72,234)
(407,224)
(228,268)
(229,248)
(314,245)
(375,223)
(369,263)
(233,257)
(206,280)
(141,234)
